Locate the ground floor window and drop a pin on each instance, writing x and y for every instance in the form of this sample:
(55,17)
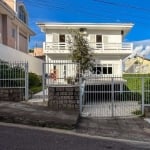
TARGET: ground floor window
(102,69)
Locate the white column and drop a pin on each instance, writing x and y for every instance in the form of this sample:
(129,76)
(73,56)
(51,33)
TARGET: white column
(121,67)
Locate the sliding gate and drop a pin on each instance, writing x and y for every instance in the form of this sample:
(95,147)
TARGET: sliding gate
(102,96)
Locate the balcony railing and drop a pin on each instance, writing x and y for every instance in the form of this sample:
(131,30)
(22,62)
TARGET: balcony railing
(51,47)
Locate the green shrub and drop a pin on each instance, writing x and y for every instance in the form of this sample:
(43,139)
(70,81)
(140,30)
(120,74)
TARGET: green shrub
(34,80)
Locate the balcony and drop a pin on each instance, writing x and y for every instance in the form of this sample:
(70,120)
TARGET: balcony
(97,48)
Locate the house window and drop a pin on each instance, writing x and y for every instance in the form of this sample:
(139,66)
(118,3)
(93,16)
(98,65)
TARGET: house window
(65,71)
(13,33)
(22,14)
(109,70)
(62,41)
(102,69)
(98,41)
(97,69)
(98,38)
(62,38)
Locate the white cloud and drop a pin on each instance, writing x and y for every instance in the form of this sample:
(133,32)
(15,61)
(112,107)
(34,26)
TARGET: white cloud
(146,51)
(142,42)
(141,48)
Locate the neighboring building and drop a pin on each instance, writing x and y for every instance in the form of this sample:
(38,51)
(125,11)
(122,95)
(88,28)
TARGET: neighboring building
(105,40)
(38,52)
(14,30)
(137,64)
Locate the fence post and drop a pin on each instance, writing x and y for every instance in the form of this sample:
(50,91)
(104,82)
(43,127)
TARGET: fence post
(142,95)
(81,92)
(112,95)
(43,80)
(26,82)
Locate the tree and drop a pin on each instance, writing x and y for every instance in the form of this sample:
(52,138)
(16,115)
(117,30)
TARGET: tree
(80,51)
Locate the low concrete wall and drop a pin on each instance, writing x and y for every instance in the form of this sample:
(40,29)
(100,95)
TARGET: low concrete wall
(11,94)
(63,97)
(147,111)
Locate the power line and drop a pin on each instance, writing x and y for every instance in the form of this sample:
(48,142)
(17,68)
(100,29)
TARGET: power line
(106,16)
(123,5)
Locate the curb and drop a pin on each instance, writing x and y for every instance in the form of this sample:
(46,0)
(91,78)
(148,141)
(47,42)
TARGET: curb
(74,133)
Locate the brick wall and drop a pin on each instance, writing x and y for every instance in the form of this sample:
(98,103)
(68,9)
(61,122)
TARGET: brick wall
(63,97)
(11,94)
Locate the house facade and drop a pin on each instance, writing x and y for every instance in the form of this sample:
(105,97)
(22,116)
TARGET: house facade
(105,41)
(137,64)
(14,30)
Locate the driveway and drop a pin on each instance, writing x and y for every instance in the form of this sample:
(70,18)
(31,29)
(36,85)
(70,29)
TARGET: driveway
(104,109)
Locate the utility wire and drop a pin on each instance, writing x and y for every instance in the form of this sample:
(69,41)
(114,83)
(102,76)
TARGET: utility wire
(107,16)
(123,5)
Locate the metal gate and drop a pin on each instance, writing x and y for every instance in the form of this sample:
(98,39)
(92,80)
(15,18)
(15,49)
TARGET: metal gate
(59,73)
(106,96)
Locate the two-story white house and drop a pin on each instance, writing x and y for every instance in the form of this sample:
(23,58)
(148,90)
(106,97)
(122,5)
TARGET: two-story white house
(105,40)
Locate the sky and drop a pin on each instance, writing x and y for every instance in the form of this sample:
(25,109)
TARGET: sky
(92,11)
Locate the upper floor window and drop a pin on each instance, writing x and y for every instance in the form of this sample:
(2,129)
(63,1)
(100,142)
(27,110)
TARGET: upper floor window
(22,14)
(98,41)
(62,41)
(98,38)
(62,38)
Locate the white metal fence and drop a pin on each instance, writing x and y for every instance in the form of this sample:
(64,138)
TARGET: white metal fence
(14,75)
(103,96)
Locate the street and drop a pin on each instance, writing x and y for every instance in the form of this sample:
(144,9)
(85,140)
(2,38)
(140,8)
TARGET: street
(30,138)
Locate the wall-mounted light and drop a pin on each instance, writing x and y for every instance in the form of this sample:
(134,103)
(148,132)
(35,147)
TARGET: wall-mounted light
(83,30)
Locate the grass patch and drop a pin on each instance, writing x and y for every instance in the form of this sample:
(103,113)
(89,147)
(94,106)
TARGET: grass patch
(134,84)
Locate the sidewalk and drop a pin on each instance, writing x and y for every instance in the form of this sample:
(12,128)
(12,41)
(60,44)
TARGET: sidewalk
(28,114)
(122,128)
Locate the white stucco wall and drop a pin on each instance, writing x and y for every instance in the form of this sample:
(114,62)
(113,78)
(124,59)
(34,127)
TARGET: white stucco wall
(0,28)
(113,36)
(10,54)
(110,36)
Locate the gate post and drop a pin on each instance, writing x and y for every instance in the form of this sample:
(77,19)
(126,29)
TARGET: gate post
(26,82)
(82,84)
(142,95)
(81,92)
(43,81)
(112,95)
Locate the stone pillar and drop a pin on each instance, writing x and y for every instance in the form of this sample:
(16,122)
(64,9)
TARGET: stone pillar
(63,97)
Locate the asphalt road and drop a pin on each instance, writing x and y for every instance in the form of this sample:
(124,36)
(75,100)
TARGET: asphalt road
(23,138)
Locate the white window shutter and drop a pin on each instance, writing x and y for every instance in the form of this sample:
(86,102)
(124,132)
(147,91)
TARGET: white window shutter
(105,39)
(92,42)
(92,38)
(55,37)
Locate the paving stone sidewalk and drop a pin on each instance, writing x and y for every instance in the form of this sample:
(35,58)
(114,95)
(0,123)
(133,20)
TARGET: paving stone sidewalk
(28,114)
(123,128)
